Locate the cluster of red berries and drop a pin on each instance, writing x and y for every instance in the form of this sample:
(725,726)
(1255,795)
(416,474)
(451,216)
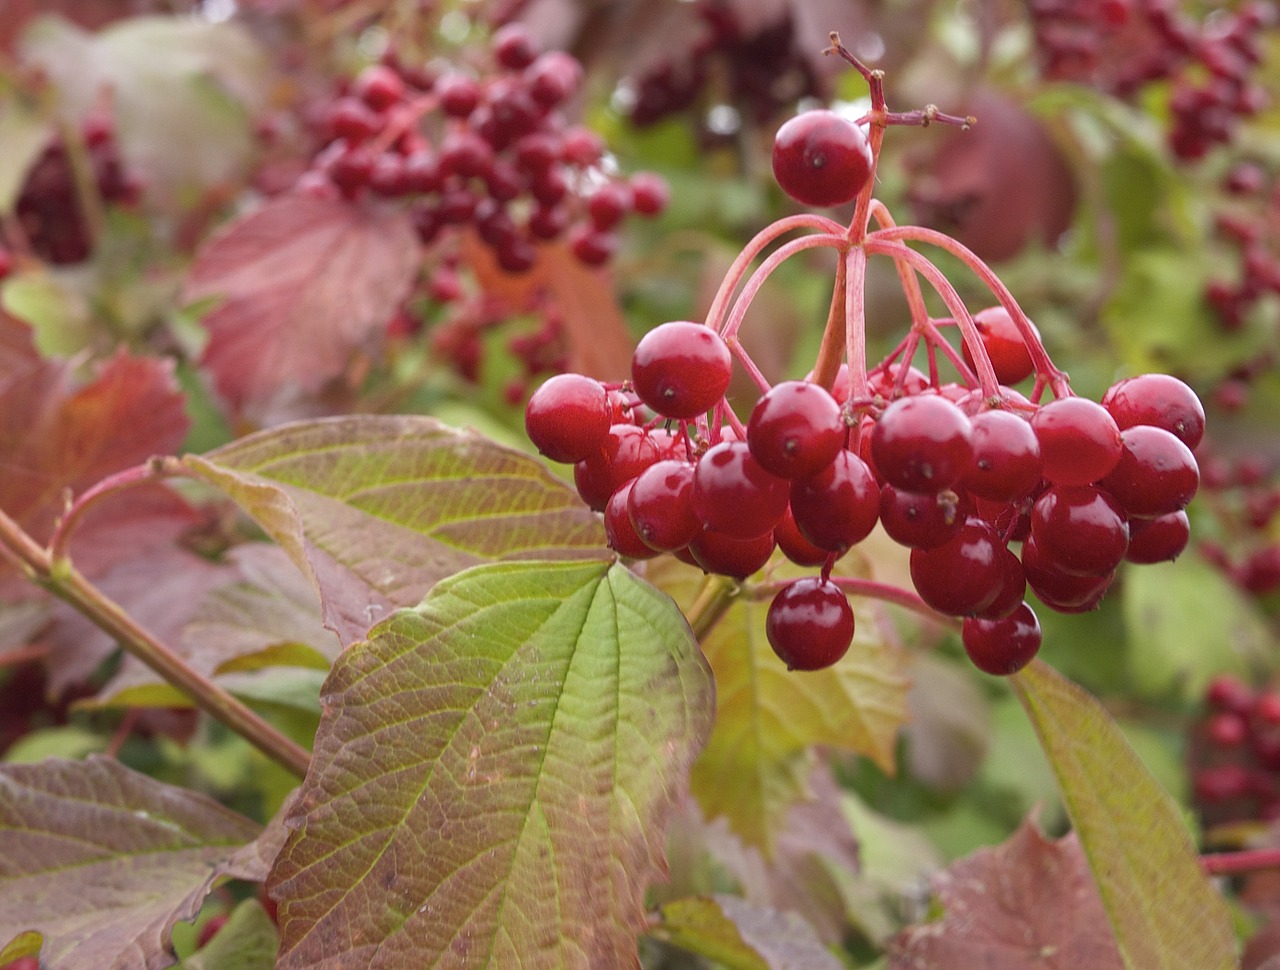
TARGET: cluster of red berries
(1234,753)
(1252,226)
(49,207)
(494,153)
(1122,45)
(761,68)
(1083,486)
(1243,501)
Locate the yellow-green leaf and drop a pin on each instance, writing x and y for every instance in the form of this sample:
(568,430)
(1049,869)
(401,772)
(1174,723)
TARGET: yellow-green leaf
(1165,913)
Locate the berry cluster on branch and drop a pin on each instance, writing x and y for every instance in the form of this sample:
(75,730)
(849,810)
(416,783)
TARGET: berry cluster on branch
(959,471)
(1120,46)
(493,152)
(1234,753)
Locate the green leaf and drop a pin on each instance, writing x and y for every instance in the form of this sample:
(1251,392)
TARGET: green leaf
(60,318)
(377,509)
(768,718)
(102,861)
(1163,909)
(744,936)
(492,775)
(248,941)
(1186,622)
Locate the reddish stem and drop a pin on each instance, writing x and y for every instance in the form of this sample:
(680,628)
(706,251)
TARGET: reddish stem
(1235,863)
(765,269)
(1058,380)
(831,351)
(856,321)
(964,319)
(758,243)
(152,470)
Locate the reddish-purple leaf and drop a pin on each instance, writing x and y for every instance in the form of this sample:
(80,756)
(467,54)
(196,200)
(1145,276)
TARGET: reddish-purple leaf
(103,861)
(299,285)
(1030,902)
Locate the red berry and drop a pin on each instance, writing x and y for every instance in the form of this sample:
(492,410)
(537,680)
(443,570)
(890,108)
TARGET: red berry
(608,204)
(458,94)
(1158,400)
(821,158)
(810,624)
(1013,587)
(568,417)
(1082,530)
(1161,539)
(353,120)
(964,575)
(733,495)
(1226,730)
(649,193)
(796,429)
(1058,590)
(681,369)
(795,546)
(1156,475)
(1005,646)
(592,246)
(838,507)
(1006,457)
(618,529)
(661,505)
(513,47)
(209,930)
(1221,784)
(921,521)
(378,86)
(1079,441)
(626,452)
(1004,345)
(726,556)
(1267,709)
(922,444)
(553,78)
(1228,693)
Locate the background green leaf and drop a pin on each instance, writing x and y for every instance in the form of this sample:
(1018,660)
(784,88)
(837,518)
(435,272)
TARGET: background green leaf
(1164,911)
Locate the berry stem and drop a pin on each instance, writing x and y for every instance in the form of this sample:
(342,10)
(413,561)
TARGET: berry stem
(856,321)
(1058,380)
(714,599)
(65,582)
(758,243)
(907,276)
(1235,863)
(964,319)
(764,270)
(831,351)
(152,470)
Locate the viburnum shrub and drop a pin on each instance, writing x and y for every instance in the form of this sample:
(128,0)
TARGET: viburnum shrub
(993,491)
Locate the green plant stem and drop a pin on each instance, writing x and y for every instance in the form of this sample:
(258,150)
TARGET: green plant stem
(64,581)
(714,599)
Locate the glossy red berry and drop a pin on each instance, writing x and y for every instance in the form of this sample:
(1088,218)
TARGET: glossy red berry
(1226,730)
(626,452)
(1002,647)
(1228,693)
(733,495)
(661,505)
(1156,475)
(725,555)
(1058,590)
(795,546)
(821,158)
(1161,539)
(1004,345)
(514,47)
(649,193)
(810,624)
(922,444)
(1081,530)
(1006,457)
(1079,441)
(681,369)
(838,507)
(964,575)
(921,521)
(795,430)
(619,531)
(1158,400)
(568,417)
(378,86)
